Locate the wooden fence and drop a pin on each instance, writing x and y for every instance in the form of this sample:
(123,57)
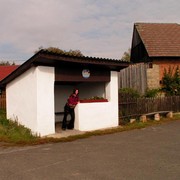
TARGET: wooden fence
(134,76)
(134,107)
(3,100)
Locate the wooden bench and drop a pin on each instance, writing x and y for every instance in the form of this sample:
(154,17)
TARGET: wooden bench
(59,113)
(156,115)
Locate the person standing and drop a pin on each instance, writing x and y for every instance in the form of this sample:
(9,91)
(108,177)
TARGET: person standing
(69,109)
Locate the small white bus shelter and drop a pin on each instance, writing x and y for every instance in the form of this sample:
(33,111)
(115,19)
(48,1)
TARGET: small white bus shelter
(37,91)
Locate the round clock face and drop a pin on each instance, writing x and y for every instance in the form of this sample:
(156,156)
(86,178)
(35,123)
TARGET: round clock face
(86,73)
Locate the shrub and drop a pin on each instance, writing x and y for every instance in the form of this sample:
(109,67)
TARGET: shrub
(129,92)
(151,93)
(171,81)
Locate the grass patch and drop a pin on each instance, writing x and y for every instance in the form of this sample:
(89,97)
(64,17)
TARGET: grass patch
(11,133)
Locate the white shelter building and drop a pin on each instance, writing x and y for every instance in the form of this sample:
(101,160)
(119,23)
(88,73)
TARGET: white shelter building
(37,91)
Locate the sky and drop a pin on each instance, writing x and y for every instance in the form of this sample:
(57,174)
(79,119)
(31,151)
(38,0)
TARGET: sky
(98,28)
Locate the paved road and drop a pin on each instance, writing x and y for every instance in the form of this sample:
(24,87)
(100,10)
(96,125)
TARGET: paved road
(152,153)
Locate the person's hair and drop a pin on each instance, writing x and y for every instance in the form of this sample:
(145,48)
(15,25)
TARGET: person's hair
(75,91)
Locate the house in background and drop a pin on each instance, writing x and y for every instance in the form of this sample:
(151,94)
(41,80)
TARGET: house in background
(38,90)
(4,72)
(158,46)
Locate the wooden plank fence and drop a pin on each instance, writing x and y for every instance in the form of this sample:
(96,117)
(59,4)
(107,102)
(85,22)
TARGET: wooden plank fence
(3,100)
(134,107)
(134,76)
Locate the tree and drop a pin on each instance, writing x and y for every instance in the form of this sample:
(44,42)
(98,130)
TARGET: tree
(126,55)
(60,51)
(6,63)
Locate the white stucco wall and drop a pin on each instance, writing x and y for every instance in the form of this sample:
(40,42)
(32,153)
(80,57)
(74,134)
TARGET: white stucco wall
(45,100)
(30,100)
(93,116)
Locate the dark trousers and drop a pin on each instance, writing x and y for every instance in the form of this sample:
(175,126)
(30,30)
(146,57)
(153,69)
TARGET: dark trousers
(68,110)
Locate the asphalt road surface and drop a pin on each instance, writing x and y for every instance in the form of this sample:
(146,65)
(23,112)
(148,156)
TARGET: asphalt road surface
(151,153)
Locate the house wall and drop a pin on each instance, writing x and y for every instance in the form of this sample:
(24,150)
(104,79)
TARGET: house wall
(141,76)
(156,73)
(30,99)
(153,77)
(165,64)
(92,116)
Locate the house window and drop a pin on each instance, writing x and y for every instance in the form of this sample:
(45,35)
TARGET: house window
(150,65)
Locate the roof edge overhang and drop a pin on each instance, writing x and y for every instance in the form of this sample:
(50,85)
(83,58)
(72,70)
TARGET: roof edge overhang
(44,58)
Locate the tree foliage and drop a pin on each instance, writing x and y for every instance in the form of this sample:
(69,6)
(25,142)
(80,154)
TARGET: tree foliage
(126,55)
(60,51)
(171,81)
(6,63)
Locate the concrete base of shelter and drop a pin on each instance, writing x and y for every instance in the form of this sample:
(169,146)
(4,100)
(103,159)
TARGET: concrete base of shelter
(66,133)
(60,133)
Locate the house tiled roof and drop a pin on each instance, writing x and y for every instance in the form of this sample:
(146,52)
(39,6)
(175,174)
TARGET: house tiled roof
(160,39)
(6,70)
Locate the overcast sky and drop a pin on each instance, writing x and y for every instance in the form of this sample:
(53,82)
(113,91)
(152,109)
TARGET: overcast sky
(100,28)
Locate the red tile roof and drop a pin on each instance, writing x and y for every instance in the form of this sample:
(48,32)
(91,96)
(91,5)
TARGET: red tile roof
(6,70)
(160,39)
